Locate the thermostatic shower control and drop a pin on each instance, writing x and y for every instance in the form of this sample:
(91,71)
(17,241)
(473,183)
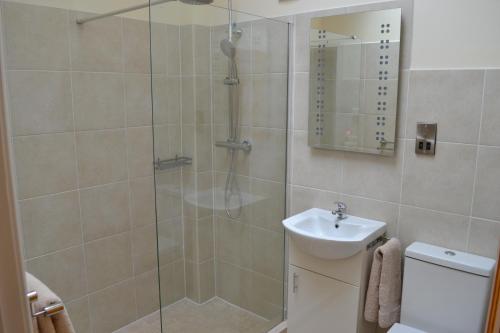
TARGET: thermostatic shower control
(425,142)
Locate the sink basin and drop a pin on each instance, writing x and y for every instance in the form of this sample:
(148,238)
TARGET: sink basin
(320,233)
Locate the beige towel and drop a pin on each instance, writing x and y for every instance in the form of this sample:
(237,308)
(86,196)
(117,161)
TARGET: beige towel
(58,323)
(383,298)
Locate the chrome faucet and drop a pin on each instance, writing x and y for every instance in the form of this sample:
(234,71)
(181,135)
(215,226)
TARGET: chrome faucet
(340,211)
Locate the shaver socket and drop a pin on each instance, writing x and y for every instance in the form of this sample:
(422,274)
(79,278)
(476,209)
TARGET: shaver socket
(425,142)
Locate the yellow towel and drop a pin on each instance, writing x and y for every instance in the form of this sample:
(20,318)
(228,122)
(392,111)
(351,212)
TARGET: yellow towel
(58,323)
(383,297)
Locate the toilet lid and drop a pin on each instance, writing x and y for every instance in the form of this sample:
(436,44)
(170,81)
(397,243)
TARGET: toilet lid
(398,328)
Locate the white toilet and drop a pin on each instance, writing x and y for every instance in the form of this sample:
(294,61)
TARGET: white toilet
(444,291)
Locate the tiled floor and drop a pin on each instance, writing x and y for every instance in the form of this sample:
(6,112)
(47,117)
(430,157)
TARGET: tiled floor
(215,316)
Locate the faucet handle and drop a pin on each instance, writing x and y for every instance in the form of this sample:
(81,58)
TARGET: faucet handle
(340,206)
(341,209)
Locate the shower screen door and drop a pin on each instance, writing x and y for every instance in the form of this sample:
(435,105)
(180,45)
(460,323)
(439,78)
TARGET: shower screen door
(219,96)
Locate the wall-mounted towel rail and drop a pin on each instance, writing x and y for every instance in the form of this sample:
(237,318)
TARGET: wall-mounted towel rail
(47,311)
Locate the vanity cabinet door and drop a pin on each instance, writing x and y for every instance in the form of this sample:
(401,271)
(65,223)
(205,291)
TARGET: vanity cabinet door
(317,303)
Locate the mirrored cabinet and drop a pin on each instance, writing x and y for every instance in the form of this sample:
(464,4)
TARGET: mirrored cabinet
(354,73)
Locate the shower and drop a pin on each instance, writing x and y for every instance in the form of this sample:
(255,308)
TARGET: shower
(233,144)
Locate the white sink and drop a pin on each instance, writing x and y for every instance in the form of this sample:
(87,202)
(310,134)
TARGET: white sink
(320,233)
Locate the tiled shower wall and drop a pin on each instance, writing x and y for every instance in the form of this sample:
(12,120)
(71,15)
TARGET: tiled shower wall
(249,251)
(451,199)
(241,259)
(80,108)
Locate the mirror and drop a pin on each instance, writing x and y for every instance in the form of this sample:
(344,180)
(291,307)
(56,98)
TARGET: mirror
(354,81)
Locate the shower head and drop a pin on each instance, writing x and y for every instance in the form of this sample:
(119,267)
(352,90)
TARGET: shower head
(197,2)
(228,48)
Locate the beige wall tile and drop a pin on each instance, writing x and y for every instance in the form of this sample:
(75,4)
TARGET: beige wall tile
(138,99)
(63,272)
(108,261)
(96,46)
(172,275)
(140,151)
(102,157)
(113,307)
(192,281)
(35,37)
(270,100)
(491,117)
(142,201)
(136,46)
(173,54)
(452,98)
(170,240)
(203,148)
(402,110)
(159,48)
(201,41)
(233,242)
(300,101)
(301,41)
(205,238)
(267,296)
(267,252)
(188,100)
(45,164)
(304,198)
(48,108)
(50,223)
(105,210)
(168,195)
(173,100)
(372,176)
(144,249)
(270,46)
(374,209)
(268,158)
(160,99)
(203,100)
(98,101)
(437,228)
(190,243)
(484,237)
(315,167)
(268,211)
(234,284)
(442,182)
(487,191)
(187,52)
(78,311)
(207,280)
(147,293)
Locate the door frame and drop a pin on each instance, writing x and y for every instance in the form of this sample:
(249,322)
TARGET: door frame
(14,309)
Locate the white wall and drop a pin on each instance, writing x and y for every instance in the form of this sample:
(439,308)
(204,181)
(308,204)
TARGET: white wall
(447,33)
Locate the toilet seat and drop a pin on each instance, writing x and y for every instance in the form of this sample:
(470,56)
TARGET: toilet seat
(399,328)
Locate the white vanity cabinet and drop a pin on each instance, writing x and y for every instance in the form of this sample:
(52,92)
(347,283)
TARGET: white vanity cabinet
(320,304)
(327,295)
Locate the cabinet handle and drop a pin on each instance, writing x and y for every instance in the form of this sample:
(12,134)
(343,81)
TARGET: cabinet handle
(295,282)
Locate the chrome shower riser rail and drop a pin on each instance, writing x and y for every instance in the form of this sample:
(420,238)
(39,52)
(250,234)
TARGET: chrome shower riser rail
(121,11)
